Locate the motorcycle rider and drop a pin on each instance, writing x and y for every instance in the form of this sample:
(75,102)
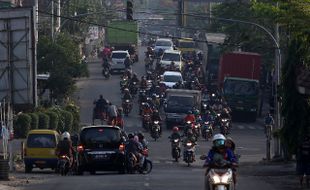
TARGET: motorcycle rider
(175,133)
(190,138)
(127,95)
(190,117)
(112,112)
(142,140)
(64,147)
(101,105)
(143,83)
(146,111)
(119,118)
(219,150)
(156,117)
(133,146)
(128,62)
(172,66)
(149,52)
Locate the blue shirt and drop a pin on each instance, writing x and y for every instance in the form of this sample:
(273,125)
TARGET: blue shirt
(229,156)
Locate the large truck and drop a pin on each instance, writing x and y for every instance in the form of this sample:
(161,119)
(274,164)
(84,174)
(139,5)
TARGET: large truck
(123,35)
(178,103)
(238,78)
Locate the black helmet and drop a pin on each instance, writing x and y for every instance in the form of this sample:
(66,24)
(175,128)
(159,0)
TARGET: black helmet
(130,136)
(140,135)
(189,112)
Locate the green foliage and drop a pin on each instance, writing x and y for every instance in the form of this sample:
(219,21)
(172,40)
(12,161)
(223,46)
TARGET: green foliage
(54,120)
(22,125)
(61,58)
(75,111)
(68,120)
(44,120)
(65,119)
(34,121)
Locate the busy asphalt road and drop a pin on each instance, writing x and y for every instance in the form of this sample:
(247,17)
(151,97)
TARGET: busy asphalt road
(166,174)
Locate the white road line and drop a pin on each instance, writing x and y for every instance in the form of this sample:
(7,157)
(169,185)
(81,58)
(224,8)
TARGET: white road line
(251,127)
(240,126)
(168,162)
(146,184)
(156,162)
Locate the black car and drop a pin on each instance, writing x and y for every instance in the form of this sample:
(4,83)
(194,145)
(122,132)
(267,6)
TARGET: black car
(101,148)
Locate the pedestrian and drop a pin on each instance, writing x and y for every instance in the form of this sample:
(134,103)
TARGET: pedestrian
(303,161)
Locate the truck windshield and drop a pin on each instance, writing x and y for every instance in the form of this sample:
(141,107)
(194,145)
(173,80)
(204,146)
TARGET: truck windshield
(163,43)
(179,104)
(171,57)
(186,45)
(172,78)
(238,87)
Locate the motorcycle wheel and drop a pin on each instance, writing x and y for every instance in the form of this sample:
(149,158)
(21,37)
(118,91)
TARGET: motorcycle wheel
(147,167)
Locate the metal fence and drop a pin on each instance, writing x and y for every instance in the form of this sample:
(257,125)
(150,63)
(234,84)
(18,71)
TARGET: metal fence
(6,127)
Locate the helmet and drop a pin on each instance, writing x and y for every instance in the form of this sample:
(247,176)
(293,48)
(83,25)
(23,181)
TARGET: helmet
(189,112)
(126,90)
(130,136)
(140,135)
(120,110)
(175,129)
(218,140)
(135,75)
(65,135)
(196,112)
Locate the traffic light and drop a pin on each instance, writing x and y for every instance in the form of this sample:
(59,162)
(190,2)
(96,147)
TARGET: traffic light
(129,10)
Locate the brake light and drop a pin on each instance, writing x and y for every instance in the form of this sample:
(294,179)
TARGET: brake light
(121,147)
(80,148)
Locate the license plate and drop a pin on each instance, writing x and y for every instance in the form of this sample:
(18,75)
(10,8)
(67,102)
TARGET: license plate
(102,156)
(40,162)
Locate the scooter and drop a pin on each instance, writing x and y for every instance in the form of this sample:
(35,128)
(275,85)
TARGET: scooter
(175,149)
(127,107)
(189,153)
(155,130)
(63,164)
(106,72)
(207,130)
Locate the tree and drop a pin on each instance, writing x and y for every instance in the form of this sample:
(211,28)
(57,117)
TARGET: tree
(62,60)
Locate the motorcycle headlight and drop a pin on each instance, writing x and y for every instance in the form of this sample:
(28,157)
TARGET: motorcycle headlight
(196,126)
(127,101)
(176,140)
(143,103)
(207,123)
(134,83)
(204,105)
(156,122)
(216,179)
(225,178)
(188,122)
(218,115)
(189,144)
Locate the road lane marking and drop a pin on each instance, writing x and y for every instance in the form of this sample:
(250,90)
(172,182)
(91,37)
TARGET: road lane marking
(240,126)
(251,127)
(146,184)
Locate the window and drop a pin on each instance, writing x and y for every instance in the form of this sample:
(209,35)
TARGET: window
(41,141)
(172,78)
(237,87)
(119,55)
(171,57)
(107,137)
(163,43)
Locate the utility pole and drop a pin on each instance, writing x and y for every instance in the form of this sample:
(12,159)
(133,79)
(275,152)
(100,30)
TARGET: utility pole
(58,16)
(52,18)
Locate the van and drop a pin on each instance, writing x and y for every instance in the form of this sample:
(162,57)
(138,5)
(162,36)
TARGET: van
(186,46)
(40,149)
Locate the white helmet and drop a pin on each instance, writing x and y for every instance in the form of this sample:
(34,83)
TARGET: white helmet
(218,137)
(65,135)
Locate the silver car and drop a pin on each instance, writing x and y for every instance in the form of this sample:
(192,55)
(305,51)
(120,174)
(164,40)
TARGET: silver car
(117,60)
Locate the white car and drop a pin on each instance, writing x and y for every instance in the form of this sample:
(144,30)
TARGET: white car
(170,78)
(169,56)
(164,44)
(117,60)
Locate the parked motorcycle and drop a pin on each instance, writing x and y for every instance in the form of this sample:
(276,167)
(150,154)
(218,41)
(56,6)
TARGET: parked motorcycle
(189,153)
(155,130)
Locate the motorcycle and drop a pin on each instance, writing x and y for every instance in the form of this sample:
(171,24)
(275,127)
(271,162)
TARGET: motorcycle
(188,125)
(148,63)
(97,114)
(155,130)
(63,164)
(146,122)
(175,149)
(133,164)
(220,177)
(225,126)
(106,72)
(127,107)
(189,153)
(196,130)
(207,130)
(124,84)
(133,89)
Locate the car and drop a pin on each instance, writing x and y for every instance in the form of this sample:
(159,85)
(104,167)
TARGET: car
(101,148)
(170,78)
(117,60)
(164,44)
(40,149)
(169,56)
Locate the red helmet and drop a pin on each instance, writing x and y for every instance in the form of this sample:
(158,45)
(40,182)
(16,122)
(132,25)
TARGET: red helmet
(175,129)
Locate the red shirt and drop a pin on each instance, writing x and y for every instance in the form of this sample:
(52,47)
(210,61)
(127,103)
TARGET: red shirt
(190,118)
